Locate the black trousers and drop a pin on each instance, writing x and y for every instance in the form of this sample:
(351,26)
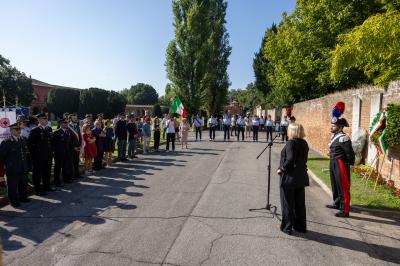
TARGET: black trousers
(75,164)
(255,133)
(41,175)
(212,132)
(17,187)
(62,163)
(284,133)
(293,209)
(156,136)
(240,129)
(269,133)
(198,132)
(98,161)
(226,132)
(171,138)
(340,183)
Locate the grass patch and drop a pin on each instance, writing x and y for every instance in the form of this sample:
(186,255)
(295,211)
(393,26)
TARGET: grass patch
(362,191)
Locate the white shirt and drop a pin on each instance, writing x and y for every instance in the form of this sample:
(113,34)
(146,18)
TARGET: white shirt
(240,122)
(262,121)
(212,122)
(284,123)
(255,122)
(164,122)
(269,123)
(233,121)
(227,121)
(171,126)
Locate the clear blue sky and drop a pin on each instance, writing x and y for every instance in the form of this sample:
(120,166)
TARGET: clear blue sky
(115,44)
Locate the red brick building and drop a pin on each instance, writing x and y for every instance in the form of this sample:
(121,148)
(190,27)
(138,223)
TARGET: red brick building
(40,90)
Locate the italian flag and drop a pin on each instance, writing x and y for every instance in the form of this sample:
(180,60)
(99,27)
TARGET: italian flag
(177,107)
(381,122)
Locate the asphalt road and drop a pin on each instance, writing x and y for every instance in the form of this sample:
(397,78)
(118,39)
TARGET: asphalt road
(189,207)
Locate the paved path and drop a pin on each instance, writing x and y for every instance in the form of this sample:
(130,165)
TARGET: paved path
(188,208)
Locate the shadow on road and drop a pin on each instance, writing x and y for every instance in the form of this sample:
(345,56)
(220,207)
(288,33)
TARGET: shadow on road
(381,252)
(83,201)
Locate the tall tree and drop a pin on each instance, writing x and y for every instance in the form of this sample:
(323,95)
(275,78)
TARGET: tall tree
(197,58)
(57,103)
(261,66)
(300,51)
(141,94)
(15,83)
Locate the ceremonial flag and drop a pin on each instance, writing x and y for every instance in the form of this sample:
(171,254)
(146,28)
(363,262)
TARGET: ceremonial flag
(380,123)
(177,107)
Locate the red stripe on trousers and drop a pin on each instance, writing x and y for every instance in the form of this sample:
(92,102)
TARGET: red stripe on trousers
(345,186)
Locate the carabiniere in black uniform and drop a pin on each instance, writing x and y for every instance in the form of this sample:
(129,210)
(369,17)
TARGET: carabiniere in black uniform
(13,151)
(40,148)
(341,157)
(63,152)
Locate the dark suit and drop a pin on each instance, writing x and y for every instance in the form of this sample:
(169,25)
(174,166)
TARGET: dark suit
(76,139)
(294,178)
(14,154)
(63,152)
(40,148)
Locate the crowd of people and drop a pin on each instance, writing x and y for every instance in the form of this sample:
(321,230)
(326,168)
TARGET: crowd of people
(33,146)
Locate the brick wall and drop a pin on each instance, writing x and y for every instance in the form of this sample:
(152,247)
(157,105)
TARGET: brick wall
(315,115)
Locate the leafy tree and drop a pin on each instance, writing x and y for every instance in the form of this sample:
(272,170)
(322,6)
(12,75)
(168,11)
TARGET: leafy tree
(93,101)
(373,48)
(300,51)
(197,58)
(141,94)
(15,83)
(61,100)
(262,66)
(116,104)
(248,98)
(156,110)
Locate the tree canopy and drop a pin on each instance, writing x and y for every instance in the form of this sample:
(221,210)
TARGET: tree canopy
(15,83)
(61,100)
(197,58)
(298,55)
(373,48)
(248,98)
(141,94)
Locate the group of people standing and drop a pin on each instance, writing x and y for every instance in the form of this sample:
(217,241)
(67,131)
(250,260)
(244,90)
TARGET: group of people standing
(33,146)
(248,126)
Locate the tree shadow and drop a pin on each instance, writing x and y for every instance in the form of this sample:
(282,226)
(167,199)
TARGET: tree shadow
(34,222)
(381,252)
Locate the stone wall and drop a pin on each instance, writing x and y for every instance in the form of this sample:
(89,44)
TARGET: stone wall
(362,104)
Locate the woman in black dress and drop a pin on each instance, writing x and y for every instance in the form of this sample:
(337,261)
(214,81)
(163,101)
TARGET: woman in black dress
(293,180)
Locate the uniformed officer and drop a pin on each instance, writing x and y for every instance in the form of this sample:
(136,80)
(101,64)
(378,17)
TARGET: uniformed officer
(40,148)
(227,124)
(13,151)
(240,127)
(284,127)
(76,142)
(341,157)
(63,148)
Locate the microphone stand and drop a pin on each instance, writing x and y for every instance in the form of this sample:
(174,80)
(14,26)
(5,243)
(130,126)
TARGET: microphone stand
(268,206)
